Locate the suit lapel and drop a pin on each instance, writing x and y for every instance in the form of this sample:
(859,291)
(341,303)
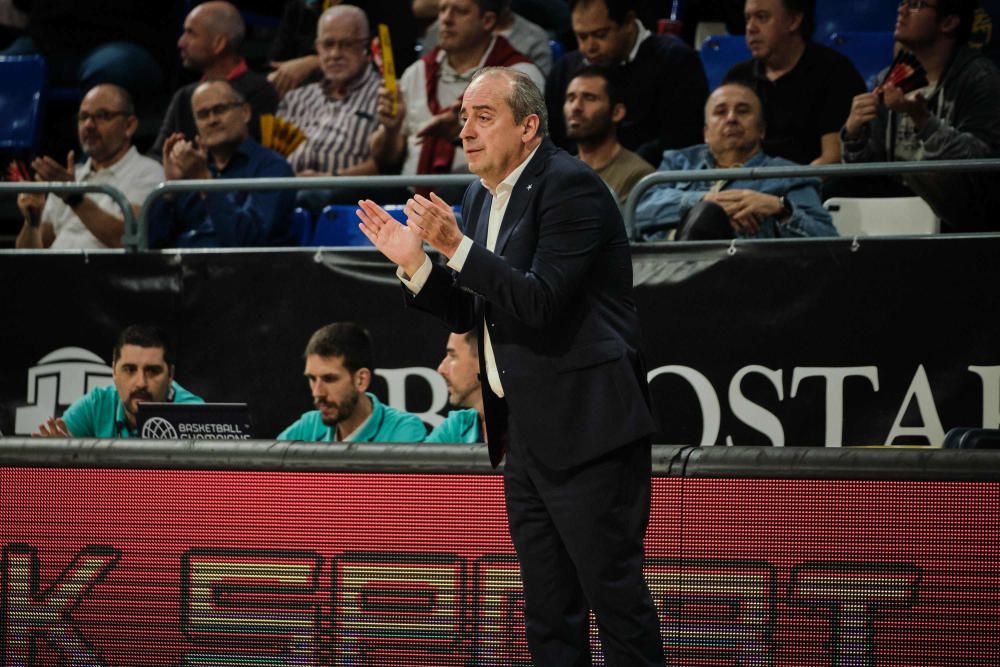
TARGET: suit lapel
(524,190)
(483,219)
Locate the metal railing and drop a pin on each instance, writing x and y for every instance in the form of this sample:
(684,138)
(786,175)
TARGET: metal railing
(137,237)
(822,463)
(754,173)
(61,188)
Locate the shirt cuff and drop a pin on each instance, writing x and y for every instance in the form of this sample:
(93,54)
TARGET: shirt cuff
(416,282)
(457,260)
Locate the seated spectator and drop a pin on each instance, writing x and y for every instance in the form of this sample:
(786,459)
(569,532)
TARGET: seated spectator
(338,114)
(460,370)
(293,56)
(142,368)
(105,125)
(661,78)
(339,369)
(593,110)
(806,88)
(210,44)
(530,39)
(223,149)
(761,208)
(90,42)
(956,116)
(422,133)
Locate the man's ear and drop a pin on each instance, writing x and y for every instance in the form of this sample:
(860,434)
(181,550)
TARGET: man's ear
(219,44)
(362,379)
(796,22)
(618,113)
(131,125)
(530,128)
(489,21)
(950,24)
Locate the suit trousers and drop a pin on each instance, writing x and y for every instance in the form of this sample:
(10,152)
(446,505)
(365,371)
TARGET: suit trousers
(579,535)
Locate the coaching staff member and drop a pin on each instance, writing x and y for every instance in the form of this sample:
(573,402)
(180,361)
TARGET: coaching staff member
(543,270)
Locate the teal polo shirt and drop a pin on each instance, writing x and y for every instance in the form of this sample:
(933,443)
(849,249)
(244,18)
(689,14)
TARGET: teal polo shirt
(458,426)
(385,424)
(100,414)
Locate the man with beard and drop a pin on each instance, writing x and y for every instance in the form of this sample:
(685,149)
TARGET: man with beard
(106,123)
(774,207)
(593,109)
(661,78)
(460,370)
(142,367)
(339,369)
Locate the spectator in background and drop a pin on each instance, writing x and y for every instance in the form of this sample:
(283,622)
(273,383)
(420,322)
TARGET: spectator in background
(105,125)
(662,79)
(293,54)
(210,44)
(956,116)
(460,370)
(339,368)
(530,39)
(142,369)
(337,115)
(223,149)
(89,42)
(806,88)
(421,135)
(762,208)
(593,109)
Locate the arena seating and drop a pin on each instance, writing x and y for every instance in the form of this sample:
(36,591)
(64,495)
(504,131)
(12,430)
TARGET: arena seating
(22,101)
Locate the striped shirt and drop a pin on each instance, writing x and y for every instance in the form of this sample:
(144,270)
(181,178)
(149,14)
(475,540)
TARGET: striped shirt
(336,131)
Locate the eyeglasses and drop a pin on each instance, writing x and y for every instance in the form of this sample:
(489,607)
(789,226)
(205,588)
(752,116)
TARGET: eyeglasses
(916,5)
(100,116)
(342,44)
(217,110)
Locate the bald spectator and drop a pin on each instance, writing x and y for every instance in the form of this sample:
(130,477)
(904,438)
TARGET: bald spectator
(337,114)
(105,125)
(593,110)
(773,207)
(806,88)
(662,79)
(421,135)
(210,44)
(223,149)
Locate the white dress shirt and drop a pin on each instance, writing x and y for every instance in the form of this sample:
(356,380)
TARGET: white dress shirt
(498,206)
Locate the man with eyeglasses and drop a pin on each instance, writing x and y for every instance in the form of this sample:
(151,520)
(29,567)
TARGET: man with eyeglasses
(806,88)
(955,116)
(106,123)
(210,44)
(337,114)
(223,149)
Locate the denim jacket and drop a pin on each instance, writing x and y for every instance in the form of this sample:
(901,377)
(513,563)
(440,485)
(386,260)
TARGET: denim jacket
(662,207)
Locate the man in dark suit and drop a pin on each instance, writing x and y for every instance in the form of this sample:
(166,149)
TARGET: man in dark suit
(543,270)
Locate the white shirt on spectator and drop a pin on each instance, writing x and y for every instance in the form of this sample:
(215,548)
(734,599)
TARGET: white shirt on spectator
(135,175)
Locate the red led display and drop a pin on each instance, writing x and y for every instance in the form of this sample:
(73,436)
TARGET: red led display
(143,567)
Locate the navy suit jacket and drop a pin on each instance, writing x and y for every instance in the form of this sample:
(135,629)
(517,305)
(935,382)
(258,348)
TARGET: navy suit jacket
(557,298)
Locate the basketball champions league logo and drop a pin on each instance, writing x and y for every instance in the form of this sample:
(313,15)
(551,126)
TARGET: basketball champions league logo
(158,428)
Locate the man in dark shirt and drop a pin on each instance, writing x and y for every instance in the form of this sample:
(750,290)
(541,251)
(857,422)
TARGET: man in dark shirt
(806,88)
(223,149)
(662,78)
(210,44)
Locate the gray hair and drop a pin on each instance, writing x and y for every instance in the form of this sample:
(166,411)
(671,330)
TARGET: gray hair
(524,98)
(349,12)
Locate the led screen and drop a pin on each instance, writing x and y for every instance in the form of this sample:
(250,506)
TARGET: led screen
(147,567)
